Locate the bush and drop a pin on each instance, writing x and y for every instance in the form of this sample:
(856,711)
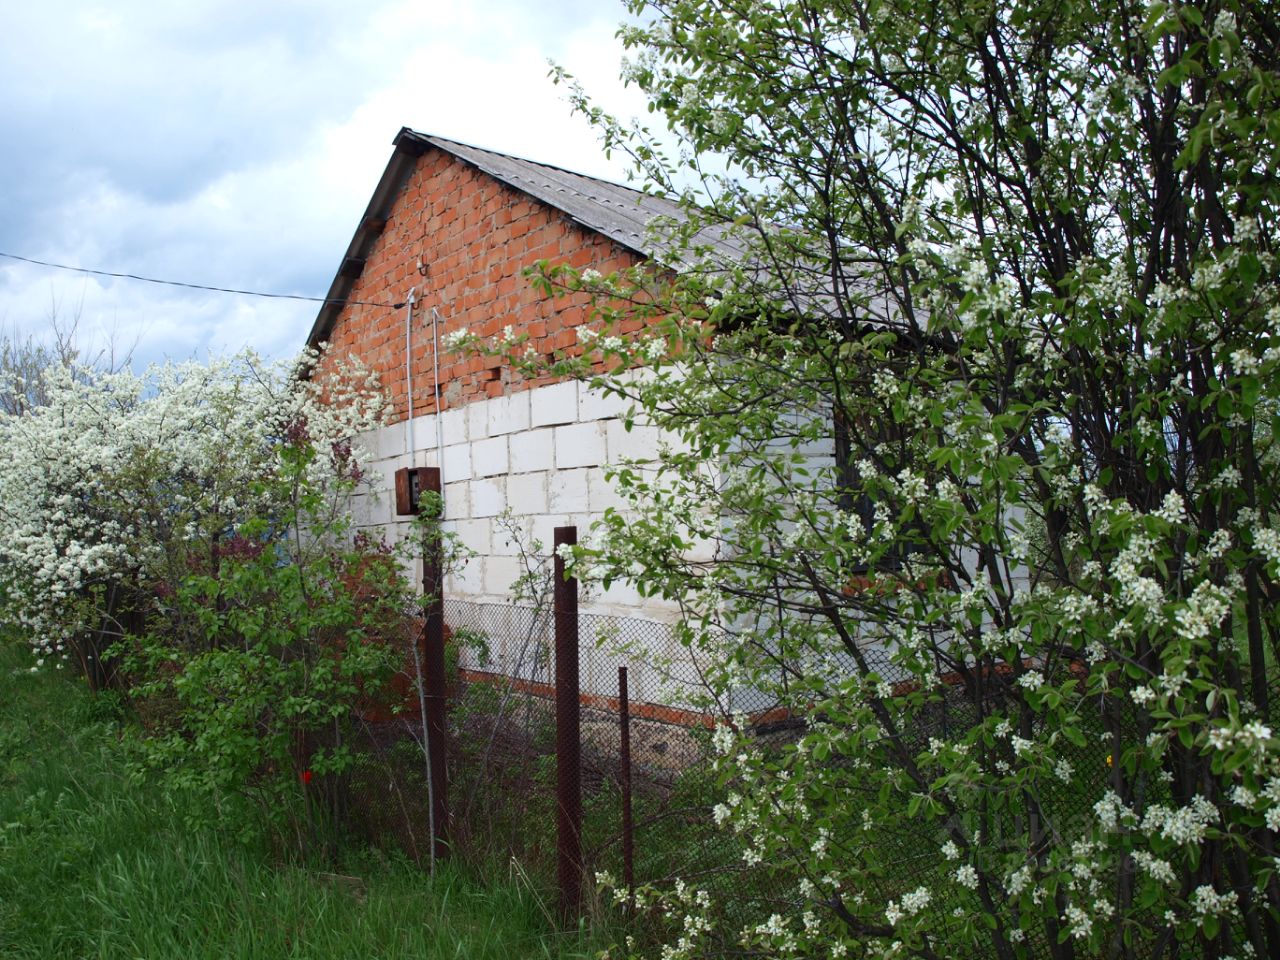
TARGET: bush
(189,544)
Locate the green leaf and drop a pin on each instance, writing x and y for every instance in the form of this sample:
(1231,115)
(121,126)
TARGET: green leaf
(1248,269)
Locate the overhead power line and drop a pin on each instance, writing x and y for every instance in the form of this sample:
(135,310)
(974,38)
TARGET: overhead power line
(201,286)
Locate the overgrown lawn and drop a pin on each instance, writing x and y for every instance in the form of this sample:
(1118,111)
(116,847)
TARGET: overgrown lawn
(94,865)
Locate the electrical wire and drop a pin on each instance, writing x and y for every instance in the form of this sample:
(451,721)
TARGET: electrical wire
(201,286)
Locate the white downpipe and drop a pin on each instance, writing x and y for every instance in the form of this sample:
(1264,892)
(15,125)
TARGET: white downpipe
(435,360)
(417,662)
(408,369)
(422,700)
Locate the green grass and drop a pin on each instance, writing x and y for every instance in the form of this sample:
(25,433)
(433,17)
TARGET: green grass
(94,866)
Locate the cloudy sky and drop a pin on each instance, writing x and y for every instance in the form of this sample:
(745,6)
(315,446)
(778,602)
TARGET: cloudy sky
(235,143)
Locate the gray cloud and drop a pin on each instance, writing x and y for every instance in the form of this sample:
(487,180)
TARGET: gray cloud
(155,101)
(236,143)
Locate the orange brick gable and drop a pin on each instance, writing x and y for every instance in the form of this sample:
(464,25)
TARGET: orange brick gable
(476,236)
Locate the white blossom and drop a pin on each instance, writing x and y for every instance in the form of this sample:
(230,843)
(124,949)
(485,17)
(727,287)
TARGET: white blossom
(1207,901)
(1142,695)
(1078,922)
(456,338)
(1031,680)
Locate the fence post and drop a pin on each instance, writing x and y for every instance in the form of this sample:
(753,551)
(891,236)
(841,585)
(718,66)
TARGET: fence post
(433,667)
(628,840)
(568,738)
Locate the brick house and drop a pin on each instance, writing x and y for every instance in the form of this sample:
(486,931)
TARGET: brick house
(457,225)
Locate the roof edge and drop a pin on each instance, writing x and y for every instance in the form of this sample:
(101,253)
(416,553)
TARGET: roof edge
(410,144)
(428,140)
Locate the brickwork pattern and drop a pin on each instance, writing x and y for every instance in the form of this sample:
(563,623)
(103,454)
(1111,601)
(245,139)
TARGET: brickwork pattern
(475,236)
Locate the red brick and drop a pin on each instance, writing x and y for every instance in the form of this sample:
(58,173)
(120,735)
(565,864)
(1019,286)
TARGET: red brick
(477,237)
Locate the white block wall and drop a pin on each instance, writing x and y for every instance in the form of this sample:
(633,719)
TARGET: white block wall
(540,454)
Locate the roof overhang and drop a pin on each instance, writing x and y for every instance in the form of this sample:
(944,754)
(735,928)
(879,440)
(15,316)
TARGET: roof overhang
(622,214)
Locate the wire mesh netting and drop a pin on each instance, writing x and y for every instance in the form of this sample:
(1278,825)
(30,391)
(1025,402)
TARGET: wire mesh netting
(502,761)
(502,744)
(501,750)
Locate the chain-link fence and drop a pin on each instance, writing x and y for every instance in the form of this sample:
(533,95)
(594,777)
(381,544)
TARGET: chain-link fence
(503,800)
(384,798)
(503,738)
(501,749)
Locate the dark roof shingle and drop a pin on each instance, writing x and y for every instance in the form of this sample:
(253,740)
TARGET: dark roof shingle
(620,213)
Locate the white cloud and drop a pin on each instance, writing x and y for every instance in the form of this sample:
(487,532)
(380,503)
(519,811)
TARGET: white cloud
(236,144)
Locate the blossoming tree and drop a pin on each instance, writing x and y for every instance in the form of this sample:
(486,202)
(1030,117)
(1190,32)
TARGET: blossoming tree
(189,525)
(984,426)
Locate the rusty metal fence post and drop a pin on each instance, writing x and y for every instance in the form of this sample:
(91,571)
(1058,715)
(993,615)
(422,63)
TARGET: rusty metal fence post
(568,736)
(624,775)
(433,668)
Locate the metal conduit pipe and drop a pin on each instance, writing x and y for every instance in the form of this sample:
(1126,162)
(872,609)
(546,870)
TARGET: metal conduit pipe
(408,368)
(435,360)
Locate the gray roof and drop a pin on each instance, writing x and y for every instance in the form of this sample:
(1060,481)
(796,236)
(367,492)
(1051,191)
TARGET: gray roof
(620,213)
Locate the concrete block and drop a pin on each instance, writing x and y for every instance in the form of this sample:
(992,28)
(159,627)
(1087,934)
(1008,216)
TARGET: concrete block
(477,419)
(580,445)
(567,493)
(395,533)
(424,431)
(824,447)
(641,442)
(542,532)
(375,476)
(554,404)
(489,457)
(509,413)
(816,462)
(412,569)
(500,573)
(466,580)
(601,494)
(457,500)
(495,415)
(597,672)
(509,534)
(382,476)
(457,463)
(702,550)
(621,595)
(683,683)
(712,473)
(454,425)
(471,659)
(390,441)
(599,405)
(365,446)
(582,521)
(382,506)
(639,682)
(527,493)
(376,513)
(532,450)
(379,509)
(358,507)
(488,497)
(474,534)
